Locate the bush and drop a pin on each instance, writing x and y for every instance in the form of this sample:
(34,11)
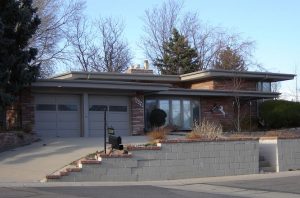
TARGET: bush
(157,118)
(205,130)
(280,114)
(159,133)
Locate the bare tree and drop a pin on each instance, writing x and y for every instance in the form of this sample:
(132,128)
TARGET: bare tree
(99,46)
(208,40)
(158,25)
(116,52)
(50,39)
(82,50)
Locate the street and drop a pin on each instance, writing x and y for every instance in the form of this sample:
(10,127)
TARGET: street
(285,185)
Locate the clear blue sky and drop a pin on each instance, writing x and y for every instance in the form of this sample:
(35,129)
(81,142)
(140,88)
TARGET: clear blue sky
(273,24)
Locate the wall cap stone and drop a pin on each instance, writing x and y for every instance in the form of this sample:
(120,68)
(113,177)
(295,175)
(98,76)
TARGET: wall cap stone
(209,140)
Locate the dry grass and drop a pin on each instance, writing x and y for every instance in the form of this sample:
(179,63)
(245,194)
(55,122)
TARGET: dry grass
(205,130)
(159,133)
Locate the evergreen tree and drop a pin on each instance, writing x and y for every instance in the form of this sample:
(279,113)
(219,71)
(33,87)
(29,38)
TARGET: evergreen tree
(228,59)
(179,57)
(18,22)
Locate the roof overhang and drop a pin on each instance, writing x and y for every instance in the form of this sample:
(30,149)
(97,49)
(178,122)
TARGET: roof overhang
(221,93)
(118,77)
(110,85)
(260,76)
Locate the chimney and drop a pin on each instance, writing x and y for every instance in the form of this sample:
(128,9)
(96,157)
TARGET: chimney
(136,69)
(146,64)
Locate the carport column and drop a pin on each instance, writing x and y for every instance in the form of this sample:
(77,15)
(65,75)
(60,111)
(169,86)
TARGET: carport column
(85,113)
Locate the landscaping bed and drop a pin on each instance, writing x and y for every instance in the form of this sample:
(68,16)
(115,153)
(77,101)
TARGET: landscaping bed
(13,139)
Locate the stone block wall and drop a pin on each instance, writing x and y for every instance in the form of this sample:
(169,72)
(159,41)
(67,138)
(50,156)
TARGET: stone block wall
(175,160)
(288,154)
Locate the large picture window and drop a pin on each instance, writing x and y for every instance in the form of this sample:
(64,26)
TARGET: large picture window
(181,112)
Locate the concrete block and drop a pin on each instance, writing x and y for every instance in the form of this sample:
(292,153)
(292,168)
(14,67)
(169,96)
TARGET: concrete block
(187,147)
(119,171)
(143,163)
(177,148)
(154,162)
(171,156)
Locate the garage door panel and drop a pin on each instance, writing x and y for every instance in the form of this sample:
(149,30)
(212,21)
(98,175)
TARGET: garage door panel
(45,116)
(44,99)
(96,125)
(64,118)
(94,117)
(116,117)
(48,133)
(46,125)
(68,125)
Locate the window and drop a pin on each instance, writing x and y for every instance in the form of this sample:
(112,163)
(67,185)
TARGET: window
(264,86)
(97,107)
(164,105)
(176,113)
(65,107)
(45,107)
(181,112)
(118,108)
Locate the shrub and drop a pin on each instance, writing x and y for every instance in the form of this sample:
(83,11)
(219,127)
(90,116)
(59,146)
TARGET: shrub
(205,130)
(159,133)
(280,114)
(157,118)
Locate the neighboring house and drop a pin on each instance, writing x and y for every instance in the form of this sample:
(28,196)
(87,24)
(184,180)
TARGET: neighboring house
(73,104)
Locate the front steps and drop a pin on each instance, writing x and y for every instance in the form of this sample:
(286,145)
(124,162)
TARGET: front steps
(265,166)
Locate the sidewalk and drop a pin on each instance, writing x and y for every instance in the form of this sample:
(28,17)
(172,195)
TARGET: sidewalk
(165,183)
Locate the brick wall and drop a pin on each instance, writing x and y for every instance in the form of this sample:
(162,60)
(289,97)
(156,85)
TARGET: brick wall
(27,108)
(225,85)
(21,113)
(227,121)
(137,114)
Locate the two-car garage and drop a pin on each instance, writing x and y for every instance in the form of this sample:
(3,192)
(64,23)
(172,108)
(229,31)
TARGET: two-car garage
(59,115)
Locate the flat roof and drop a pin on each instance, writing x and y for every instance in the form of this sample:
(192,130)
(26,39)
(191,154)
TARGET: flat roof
(194,76)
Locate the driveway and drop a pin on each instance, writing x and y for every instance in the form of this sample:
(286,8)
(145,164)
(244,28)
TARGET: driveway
(33,162)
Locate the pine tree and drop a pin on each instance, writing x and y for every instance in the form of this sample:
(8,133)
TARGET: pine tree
(179,57)
(228,59)
(18,22)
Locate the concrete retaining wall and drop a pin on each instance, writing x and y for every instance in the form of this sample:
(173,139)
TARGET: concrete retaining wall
(288,154)
(176,161)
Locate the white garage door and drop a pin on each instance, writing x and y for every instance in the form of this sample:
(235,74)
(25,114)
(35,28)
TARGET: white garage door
(117,114)
(57,115)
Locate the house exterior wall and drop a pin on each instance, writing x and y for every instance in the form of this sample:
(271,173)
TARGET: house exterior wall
(21,113)
(225,84)
(137,114)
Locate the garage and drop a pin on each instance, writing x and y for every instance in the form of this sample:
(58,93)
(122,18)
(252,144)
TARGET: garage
(57,115)
(117,114)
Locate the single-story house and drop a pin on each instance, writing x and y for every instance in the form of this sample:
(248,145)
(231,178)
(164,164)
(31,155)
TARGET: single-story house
(73,104)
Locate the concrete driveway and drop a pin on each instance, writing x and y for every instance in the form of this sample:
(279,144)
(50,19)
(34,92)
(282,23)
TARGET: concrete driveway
(33,162)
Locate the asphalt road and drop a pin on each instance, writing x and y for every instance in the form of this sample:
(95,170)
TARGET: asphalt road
(285,185)
(105,192)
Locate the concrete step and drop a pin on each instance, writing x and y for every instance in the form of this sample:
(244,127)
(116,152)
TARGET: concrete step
(261,158)
(264,164)
(267,169)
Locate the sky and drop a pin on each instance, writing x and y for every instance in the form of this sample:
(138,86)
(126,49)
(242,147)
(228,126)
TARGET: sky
(274,25)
